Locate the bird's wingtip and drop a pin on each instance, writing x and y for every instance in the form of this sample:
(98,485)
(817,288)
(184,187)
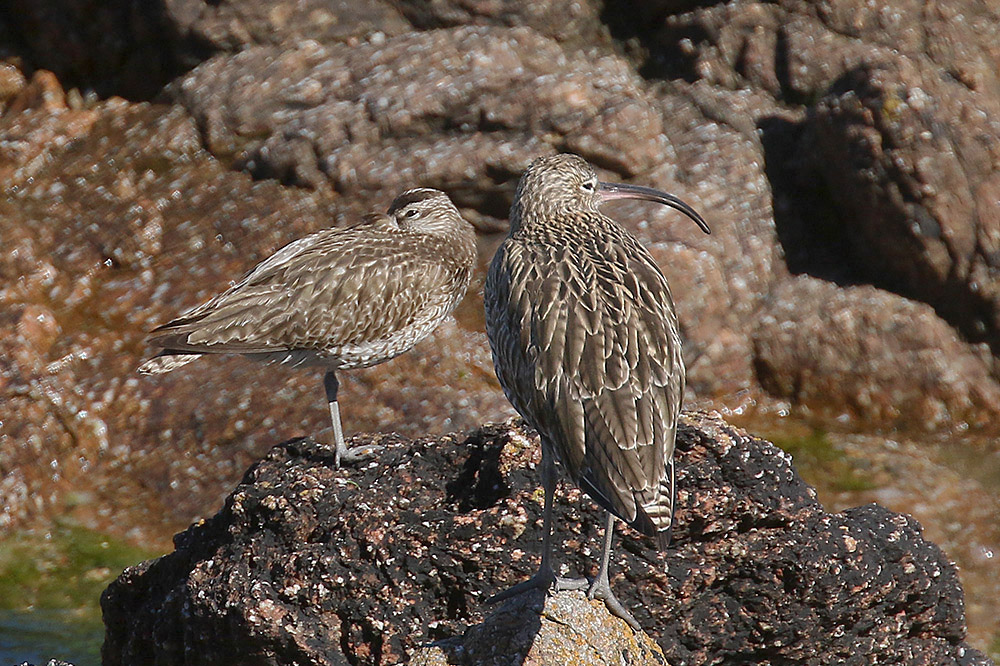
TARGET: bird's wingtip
(663,538)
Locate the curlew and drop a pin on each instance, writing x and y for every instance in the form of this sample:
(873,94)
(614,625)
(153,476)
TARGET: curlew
(338,299)
(585,343)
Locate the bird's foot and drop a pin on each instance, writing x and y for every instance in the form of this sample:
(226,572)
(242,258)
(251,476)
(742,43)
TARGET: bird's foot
(601,589)
(356,454)
(545,580)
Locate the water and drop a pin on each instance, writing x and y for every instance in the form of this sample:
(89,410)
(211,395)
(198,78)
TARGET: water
(50,587)
(40,635)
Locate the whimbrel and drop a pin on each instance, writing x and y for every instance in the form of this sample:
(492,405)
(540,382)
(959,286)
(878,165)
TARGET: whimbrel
(339,298)
(586,346)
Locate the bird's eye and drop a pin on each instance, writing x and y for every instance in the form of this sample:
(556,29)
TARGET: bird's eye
(411,213)
(590,186)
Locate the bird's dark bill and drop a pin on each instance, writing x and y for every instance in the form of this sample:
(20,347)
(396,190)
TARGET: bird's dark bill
(610,191)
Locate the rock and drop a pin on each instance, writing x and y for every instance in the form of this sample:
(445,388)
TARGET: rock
(42,92)
(795,50)
(869,355)
(456,109)
(12,82)
(534,628)
(310,564)
(115,219)
(893,182)
(230,25)
(572,23)
(910,159)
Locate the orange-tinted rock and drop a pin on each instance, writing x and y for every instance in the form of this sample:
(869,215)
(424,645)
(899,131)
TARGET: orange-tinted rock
(120,229)
(42,93)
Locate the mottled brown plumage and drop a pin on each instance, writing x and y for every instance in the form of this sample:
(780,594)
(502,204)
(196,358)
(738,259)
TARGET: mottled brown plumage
(586,346)
(339,298)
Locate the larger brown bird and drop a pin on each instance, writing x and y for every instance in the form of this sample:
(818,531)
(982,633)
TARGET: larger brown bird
(338,299)
(586,346)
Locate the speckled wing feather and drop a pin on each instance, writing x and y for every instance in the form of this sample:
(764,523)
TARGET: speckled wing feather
(334,288)
(587,350)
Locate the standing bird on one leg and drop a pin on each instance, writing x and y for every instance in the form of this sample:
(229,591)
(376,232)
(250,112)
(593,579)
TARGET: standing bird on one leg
(338,299)
(586,346)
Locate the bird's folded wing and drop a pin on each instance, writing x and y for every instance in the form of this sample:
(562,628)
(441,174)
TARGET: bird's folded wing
(595,365)
(323,291)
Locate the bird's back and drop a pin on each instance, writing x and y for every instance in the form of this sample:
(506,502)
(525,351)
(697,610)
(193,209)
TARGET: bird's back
(586,347)
(352,297)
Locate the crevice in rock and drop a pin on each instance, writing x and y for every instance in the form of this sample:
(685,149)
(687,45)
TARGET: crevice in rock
(812,237)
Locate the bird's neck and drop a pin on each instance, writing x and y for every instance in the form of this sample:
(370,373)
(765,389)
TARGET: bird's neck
(527,215)
(457,232)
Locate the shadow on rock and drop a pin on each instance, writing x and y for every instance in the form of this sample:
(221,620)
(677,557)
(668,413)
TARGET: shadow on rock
(808,227)
(532,628)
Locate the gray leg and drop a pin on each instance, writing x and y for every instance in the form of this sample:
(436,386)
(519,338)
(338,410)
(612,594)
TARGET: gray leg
(545,578)
(343,454)
(600,588)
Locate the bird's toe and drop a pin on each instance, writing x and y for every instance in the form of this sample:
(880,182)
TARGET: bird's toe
(602,590)
(358,454)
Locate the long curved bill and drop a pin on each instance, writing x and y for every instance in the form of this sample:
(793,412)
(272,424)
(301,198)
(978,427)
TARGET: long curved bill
(609,191)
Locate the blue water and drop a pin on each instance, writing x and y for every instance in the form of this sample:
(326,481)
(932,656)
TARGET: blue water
(37,636)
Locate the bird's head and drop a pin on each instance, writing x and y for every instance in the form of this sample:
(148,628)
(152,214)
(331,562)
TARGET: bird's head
(426,210)
(567,183)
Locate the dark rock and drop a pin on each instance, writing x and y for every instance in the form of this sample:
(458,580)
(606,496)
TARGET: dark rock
(868,354)
(310,564)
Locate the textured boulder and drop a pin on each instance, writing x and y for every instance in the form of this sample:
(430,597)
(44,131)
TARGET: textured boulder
(795,49)
(880,132)
(454,107)
(869,354)
(910,157)
(307,563)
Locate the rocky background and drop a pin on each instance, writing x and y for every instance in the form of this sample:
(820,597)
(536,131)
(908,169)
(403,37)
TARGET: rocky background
(846,155)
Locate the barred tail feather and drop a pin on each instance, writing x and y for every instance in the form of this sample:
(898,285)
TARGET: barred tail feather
(659,514)
(165,361)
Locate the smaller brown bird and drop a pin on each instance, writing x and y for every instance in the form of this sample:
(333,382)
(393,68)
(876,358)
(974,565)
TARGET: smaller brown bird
(338,299)
(586,346)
